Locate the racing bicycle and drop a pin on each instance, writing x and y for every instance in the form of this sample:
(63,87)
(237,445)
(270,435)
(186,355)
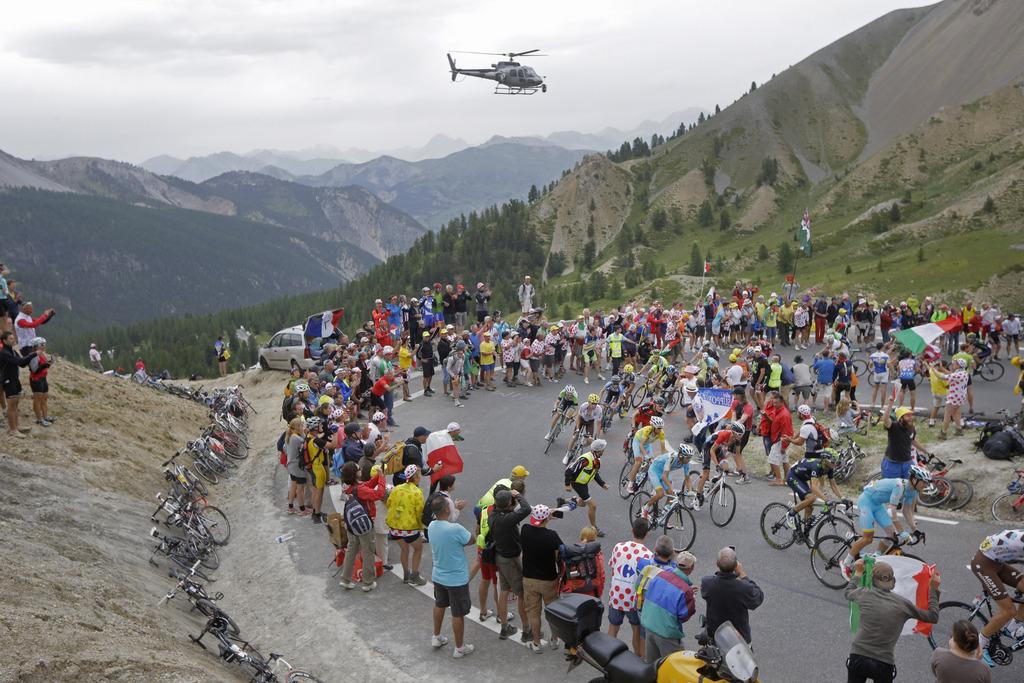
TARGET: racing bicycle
(829,551)
(1009,507)
(980,611)
(673,516)
(232,649)
(781,527)
(565,416)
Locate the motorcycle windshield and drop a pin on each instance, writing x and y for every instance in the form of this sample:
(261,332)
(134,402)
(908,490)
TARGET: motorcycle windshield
(737,657)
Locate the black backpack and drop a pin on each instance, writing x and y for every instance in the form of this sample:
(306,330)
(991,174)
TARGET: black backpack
(1000,446)
(357,519)
(427,516)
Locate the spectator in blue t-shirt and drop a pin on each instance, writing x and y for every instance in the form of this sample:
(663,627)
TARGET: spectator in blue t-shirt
(825,369)
(450,574)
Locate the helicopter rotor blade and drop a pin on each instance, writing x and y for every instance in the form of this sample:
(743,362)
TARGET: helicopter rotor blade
(513,55)
(468,52)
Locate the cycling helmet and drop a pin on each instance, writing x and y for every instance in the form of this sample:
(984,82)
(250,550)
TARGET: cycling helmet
(659,401)
(686,452)
(628,367)
(313,423)
(598,445)
(829,455)
(737,428)
(657,422)
(38,341)
(671,370)
(704,355)
(615,379)
(920,473)
(972,336)
(302,386)
(570,389)
(593,398)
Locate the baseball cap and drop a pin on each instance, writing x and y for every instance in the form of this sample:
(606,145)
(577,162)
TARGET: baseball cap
(520,471)
(352,428)
(388,349)
(421,431)
(539,514)
(426,334)
(324,399)
(686,560)
(882,576)
(454,427)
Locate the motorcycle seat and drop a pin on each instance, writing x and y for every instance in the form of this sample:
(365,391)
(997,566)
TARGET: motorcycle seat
(603,648)
(628,668)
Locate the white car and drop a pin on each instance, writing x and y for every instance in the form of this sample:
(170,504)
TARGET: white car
(286,350)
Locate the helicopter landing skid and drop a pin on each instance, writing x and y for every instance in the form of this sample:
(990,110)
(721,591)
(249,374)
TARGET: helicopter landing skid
(508,90)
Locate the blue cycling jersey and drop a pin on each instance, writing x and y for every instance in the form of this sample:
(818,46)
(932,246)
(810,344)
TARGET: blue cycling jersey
(888,491)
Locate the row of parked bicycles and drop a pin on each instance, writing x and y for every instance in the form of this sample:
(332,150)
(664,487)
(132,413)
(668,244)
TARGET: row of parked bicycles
(189,533)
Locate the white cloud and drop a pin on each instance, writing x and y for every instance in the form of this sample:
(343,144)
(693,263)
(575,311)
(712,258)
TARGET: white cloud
(129,79)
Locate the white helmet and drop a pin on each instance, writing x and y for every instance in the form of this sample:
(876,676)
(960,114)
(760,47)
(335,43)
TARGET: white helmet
(657,422)
(570,389)
(598,445)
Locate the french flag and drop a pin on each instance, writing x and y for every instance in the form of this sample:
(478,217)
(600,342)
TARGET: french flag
(323,324)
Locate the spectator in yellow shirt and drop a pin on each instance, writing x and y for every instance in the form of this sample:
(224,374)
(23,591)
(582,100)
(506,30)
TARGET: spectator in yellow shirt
(487,351)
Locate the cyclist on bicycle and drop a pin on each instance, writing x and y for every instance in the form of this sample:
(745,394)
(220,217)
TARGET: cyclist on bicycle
(873,504)
(588,417)
(612,394)
(991,564)
(661,470)
(580,473)
(652,408)
(627,379)
(644,441)
(977,347)
(804,479)
(567,398)
(717,447)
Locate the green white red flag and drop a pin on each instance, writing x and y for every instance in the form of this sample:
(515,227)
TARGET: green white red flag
(913,579)
(917,338)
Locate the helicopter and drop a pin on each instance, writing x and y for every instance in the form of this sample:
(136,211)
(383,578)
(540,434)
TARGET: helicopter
(513,78)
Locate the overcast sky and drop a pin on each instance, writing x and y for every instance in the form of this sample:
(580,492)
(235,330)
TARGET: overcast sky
(129,79)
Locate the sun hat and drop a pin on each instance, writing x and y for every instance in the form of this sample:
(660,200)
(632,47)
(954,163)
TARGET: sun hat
(882,576)
(900,412)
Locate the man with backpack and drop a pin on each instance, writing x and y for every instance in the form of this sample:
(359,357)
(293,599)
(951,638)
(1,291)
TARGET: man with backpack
(358,515)
(812,435)
(510,509)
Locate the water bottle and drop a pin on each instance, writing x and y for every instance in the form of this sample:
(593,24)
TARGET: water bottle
(285,537)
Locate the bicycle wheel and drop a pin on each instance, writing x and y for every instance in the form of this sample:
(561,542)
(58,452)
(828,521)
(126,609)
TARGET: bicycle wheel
(845,469)
(670,401)
(992,371)
(960,496)
(950,613)
(827,558)
(209,609)
(606,419)
(680,527)
(639,396)
(776,526)
(554,434)
(936,494)
(205,471)
(184,563)
(860,367)
(1009,507)
(640,499)
(195,483)
(722,504)
(216,523)
(832,525)
(624,480)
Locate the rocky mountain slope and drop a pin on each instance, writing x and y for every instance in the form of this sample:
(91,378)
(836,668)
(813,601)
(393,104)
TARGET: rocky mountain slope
(79,596)
(347,216)
(887,114)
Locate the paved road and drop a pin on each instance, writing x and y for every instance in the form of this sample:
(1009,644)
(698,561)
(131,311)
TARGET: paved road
(799,616)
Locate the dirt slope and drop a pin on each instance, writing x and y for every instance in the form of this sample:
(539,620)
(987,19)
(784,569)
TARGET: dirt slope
(78,595)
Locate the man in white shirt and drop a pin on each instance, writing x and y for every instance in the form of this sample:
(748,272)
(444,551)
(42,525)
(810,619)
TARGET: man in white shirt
(95,358)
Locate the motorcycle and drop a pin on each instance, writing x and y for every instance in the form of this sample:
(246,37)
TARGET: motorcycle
(576,620)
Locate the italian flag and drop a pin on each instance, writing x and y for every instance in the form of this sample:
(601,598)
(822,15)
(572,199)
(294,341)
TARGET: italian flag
(917,338)
(912,579)
(442,455)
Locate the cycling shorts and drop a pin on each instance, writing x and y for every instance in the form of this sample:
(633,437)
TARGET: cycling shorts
(801,487)
(993,575)
(879,377)
(643,451)
(872,515)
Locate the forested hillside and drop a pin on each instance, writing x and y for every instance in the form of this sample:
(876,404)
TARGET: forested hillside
(99,262)
(497,245)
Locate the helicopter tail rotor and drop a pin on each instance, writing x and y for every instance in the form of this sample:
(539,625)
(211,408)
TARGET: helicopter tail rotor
(455,72)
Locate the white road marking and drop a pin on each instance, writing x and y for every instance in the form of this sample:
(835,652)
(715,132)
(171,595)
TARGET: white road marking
(490,624)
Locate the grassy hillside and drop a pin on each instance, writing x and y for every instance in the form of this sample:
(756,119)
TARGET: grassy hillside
(98,261)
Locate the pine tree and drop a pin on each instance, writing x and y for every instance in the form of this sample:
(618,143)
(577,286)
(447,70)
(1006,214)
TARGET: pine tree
(753,86)
(659,219)
(705,215)
(615,292)
(723,220)
(592,205)
(718,110)
(990,205)
(700,118)
(894,213)
(696,261)
(762,253)
(785,258)
(533,195)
